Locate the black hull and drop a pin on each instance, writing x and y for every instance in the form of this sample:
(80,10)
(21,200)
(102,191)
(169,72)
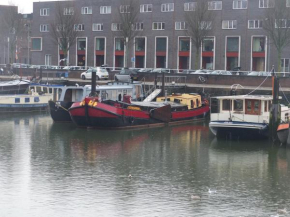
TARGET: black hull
(238,133)
(60,113)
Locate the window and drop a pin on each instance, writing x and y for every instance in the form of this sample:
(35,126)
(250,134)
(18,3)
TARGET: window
(158,26)
(105,9)
(168,7)
(81,44)
(36,44)
(215,5)
(161,44)
(287,3)
(184,44)
(116,26)
(138,27)
(60,27)
(44,28)
(145,8)
(125,9)
(233,44)
(285,65)
(238,105)
(140,44)
(119,44)
(205,25)
(17,100)
(229,24)
(266,3)
(180,26)
(79,27)
(97,27)
(255,24)
(36,99)
(240,4)
(100,44)
(259,44)
(68,11)
(47,59)
(226,104)
(190,6)
(282,23)
(208,45)
(87,10)
(44,12)
(27,100)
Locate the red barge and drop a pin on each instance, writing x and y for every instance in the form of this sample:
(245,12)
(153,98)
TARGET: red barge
(109,114)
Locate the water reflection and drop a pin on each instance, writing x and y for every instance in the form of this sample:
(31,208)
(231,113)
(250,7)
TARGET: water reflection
(59,169)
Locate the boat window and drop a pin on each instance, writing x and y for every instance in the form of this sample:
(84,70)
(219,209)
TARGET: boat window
(103,95)
(249,106)
(17,100)
(78,95)
(50,90)
(269,105)
(59,93)
(287,117)
(192,103)
(256,106)
(114,94)
(177,100)
(68,96)
(129,92)
(45,90)
(36,99)
(265,106)
(38,89)
(27,99)
(226,104)
(197,104)
(238,105)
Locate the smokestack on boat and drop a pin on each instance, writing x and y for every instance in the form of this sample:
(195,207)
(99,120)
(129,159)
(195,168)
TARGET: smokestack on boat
(93,88)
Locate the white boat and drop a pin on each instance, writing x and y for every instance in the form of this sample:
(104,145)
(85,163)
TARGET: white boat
(242,116)
(24,102)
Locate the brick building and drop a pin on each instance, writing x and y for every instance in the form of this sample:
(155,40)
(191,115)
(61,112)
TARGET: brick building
(15,31)
(238,38)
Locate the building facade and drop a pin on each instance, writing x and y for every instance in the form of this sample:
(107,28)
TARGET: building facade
(14,36)
(237,40)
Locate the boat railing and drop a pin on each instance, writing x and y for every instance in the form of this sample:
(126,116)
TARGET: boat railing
(239,117)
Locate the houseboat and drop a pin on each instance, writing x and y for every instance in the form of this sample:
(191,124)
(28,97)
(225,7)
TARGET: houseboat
(242,116)
(112,114)
(70,94)
(30,102)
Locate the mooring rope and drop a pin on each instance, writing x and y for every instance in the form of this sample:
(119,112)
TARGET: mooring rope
(258,86)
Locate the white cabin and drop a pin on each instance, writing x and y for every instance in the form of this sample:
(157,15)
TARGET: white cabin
(244,108)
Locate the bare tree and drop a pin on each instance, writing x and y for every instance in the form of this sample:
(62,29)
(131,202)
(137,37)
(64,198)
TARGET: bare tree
(64,27)
(276,23)
(12,27)
(128,24)
(199,22)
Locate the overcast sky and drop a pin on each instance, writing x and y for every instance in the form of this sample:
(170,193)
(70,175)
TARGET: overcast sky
(24,6)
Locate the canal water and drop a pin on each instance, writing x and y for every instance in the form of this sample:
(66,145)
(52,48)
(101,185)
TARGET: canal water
(49,169)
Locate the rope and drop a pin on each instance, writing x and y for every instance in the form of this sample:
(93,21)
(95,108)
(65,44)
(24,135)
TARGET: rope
(62,107)
(258,86)
(284,94)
